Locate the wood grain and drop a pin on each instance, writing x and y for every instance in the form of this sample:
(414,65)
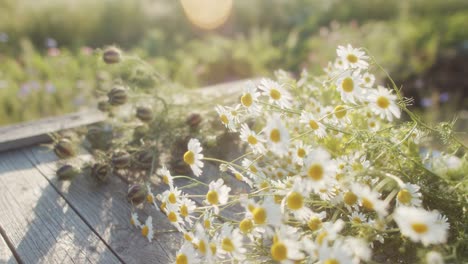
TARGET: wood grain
(105,208)
(35,132)
(6,256)
(40,224)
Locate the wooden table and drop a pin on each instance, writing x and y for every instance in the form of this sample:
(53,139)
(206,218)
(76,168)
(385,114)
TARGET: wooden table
(43,220)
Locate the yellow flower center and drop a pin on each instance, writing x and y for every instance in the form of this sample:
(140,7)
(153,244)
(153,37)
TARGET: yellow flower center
(383,102)
(207,223)
(184,210)
(163,206)
(357,220)
(172,217)
(212,197)
(301,152)
(172,198)
(367,80)
(314,223)
(295,201)
(313,124)
(246,100)
(188,237)
(251,207)
(404,196)
(331,261)
(367,204)
(181,259)
(132,222)
(145,231)
(321,237)
(202,247)
(189,157)
(275,94)
(165,179)
(279,251)
(347,85)
(352,58)
(227,245)
(259,215)
(245,226)
(149,198)
(315,172)
(372,124)
(340,111)
(238,176)
(224,119)
(252,140)
(275,135)
(213,248)
(350,198)
(419,228)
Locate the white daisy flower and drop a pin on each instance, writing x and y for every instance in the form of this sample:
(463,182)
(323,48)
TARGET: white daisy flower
(352,57)
(276,93)
(277,136)
(313,123)
(359,249)
(230,243)
(203,244)
(329,231)
(165,175)
(193,156)
(434,257)
(428,227)
(299,152)
(134,221)
(150,198)
(294,201)
(314,222)
(336,254)
(382,103)
(226,117)
(286,247)
(147,229)
(368,80)
(254,140)
(409,195)
(171,196)
(187,255)
(249,98)
(186,208)
(218,194)
(369,199)
(349,86)
(319,170)
(174,217)
(240,177)
(267,213)
(357,218)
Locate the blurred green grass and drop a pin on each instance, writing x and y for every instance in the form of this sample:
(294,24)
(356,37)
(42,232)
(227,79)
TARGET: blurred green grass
(406,37)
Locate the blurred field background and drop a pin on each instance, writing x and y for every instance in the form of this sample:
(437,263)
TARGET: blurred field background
(48,63)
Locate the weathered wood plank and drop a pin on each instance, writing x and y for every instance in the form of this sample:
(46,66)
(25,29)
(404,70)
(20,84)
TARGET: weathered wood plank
(105,208)
(35,132)
(38,221)
(6,256)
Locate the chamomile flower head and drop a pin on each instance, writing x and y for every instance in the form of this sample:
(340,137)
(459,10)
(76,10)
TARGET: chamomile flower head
(186,209)
(218,194)
(187,255)
(226,118)
(147,229)
(339,253)
(295,201)
(249,98)
(359,248)
(427,227)
(409,195)
(368,80)
(231,243)
(276,93)
(349,86)
(150,198)
(174,217)
(369,199)
(267,213)
(357,218)
(203,244)
(171,196)
(134,220)
(277,136)
(382,103)
(254,140)
(313,123)
(286,246)
(315,220)
(299,152)
(352,58)
(165,175)
(319,170)
(193,157)
(329,231)
(240,177)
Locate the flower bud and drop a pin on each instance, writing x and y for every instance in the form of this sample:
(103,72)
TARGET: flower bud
(101,171)
(67,172)
(144,158)
(103,106)
(121,159)
(64,148)
(112,55)
(100,136)
(144,113)
(136,194)
(193,120)
(117,96)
